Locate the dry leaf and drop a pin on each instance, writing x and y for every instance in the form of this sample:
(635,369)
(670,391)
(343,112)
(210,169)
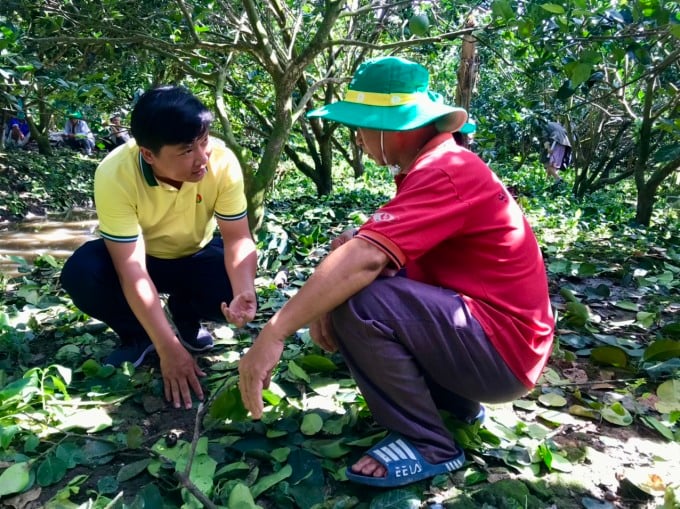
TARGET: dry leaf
(22,500)
(575,375)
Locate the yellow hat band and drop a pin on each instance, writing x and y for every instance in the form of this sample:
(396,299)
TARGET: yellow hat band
(377,99)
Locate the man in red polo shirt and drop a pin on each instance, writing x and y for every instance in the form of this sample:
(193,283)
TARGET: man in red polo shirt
(439,301)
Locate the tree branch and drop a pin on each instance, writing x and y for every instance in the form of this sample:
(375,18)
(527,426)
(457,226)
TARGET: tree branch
(298,109)
(401,44)
(189,20)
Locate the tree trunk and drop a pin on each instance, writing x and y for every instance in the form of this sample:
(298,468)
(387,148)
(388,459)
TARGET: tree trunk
(645,190)
(467,69)
(647,194)
(257,183)
(645,206)
(42,140)
(324,182)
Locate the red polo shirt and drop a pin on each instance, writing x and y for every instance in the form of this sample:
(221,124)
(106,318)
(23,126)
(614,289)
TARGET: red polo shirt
(453,224)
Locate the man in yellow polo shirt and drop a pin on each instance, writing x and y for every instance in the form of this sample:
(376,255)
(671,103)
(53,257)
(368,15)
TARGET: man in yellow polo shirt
(159,199)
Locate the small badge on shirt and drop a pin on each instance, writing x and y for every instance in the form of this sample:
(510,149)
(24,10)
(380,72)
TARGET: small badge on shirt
(199,198)
(383,216)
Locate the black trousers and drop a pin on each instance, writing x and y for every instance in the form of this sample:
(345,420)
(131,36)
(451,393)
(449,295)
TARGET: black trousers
(196,286)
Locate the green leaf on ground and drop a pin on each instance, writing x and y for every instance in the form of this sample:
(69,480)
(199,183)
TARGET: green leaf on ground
(655,424)
(281,454)
(7,433)
(228,405)
(134,437)
(332,449)
(396,499)
(50,471)
(568,294)
(15,478)
(149,496)
(202,470)
(271,480)
(669,396)
(297,371)
(537,431)
(617,414)
(317,364)
(561,463)
(311,424)
(576,314)
(552,399)
(236,469)
(582,411)
(241,498)
(306,479)
(672,330)
(525,404)
(609,355)
(107,485)
(367,441)
(662,350)
(130,470)
(90,367)
(581,72)
(626,305)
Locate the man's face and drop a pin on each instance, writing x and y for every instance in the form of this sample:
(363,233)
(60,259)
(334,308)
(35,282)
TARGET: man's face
(182,162)
(369,142)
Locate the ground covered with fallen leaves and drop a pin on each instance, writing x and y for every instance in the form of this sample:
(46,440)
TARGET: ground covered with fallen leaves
(600,430)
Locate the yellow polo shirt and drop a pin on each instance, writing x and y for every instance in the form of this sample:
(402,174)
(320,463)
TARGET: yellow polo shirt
(173,222)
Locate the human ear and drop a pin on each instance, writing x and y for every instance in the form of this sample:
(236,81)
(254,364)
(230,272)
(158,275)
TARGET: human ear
(147,154)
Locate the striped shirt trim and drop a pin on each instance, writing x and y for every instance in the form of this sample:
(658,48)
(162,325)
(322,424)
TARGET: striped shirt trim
(369,237)
(119,238)
(234,217)
(147,171)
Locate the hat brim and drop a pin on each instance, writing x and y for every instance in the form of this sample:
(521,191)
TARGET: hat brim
(468,128)
(393,118)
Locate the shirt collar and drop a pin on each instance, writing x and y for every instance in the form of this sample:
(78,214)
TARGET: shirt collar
(147,171)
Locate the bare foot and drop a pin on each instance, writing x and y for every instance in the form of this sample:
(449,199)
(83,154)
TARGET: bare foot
(369,467)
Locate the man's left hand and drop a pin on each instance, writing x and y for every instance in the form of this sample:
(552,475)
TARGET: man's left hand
(241,309)
(255,372)
(321,332)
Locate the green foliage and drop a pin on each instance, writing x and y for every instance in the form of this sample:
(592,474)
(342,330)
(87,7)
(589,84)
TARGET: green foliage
(55,416)
(37,184)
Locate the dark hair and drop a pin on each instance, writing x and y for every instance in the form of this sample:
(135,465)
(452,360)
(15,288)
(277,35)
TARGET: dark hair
(168,116)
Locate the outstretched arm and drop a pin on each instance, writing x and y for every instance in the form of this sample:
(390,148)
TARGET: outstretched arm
(179,369)
(240,261)
(346,270)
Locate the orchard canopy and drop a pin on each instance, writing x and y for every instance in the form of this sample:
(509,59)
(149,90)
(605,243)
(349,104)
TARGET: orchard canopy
(607,70)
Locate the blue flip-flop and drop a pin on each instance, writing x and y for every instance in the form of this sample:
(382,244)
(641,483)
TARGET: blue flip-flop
(404,464)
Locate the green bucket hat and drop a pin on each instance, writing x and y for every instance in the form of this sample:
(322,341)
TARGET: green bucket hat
(391,94)
(75,114)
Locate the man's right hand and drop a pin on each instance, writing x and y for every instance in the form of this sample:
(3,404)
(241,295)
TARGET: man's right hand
(180,376)
(345,236)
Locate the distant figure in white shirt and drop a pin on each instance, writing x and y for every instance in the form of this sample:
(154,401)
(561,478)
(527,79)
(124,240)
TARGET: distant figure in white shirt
(77,134)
